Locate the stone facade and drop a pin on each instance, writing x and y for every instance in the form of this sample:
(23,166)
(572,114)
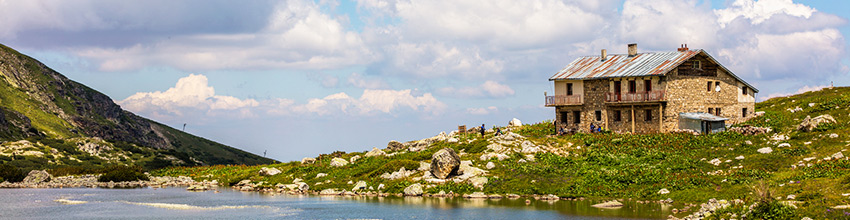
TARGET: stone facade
(696,85)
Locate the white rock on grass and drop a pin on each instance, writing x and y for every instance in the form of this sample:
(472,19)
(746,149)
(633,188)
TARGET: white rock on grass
(515,122)
(413,190)
(765,150)
(715,161)
(663,191)
(739,157)
(478,182)
(265,171)
(838,155)
(361,185)
(338,162)
(354,158)
(784,145)
(308,160)
(320,175)
(375,152)
(833,135)
(490,165)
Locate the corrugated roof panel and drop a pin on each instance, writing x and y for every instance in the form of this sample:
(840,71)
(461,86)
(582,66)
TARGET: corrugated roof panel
(621,65)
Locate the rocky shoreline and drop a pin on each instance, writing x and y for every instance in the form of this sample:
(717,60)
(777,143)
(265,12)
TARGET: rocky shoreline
(42,179)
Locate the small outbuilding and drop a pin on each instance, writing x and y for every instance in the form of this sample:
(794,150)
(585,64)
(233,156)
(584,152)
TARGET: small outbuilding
(701,122)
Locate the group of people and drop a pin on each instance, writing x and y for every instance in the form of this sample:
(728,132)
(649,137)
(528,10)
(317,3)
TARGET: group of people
(564,130)
(483,129)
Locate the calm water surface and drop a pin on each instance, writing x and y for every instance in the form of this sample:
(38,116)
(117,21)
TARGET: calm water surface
(177,203)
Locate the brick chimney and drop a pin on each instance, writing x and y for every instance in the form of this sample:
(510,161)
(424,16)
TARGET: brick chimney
(683,48)
(632,50)
(604,55)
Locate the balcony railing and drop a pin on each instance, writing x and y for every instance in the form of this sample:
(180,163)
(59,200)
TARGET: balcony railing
(561,100)
(635,97)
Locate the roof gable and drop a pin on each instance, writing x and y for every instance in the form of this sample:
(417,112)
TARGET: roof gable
(622,65)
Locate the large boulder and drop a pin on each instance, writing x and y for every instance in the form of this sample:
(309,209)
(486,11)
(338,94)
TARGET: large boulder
(810,124)
(37,176)
(375,152)
(338,162)
(413,190)
(515,122)
(395,145)
(308,160)
(444,163)
(361,185)
(265,171)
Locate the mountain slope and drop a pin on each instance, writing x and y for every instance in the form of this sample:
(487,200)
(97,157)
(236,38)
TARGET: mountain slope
(38,102)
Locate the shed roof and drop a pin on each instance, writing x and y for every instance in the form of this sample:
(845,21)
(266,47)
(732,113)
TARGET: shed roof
(702,116)
(622,65)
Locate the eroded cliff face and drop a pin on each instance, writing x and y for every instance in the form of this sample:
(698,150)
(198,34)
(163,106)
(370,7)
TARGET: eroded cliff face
(86,111)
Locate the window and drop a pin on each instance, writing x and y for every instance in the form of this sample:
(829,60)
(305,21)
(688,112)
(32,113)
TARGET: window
(744,112)
(744,90)
(598,115)
(576,117)
(717,111)
(632,86)
(710,111)
(697,64)
(647,85)
(708,86)
(618,116)
(648,113)
(569,89)
(717,86)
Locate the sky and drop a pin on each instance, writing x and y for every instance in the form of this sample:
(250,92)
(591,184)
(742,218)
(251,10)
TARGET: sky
(299,78)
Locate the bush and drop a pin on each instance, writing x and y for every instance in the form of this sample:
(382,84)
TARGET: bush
(11,173)
(772,210)
(123,173)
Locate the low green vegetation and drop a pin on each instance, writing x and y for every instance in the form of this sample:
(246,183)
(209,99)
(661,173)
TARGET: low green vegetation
(122,173)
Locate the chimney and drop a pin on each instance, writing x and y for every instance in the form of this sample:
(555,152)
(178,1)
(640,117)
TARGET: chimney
(604,55)
(683,48)
(632,50)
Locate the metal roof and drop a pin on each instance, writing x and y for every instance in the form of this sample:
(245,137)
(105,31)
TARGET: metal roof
(702,116)
(621,65)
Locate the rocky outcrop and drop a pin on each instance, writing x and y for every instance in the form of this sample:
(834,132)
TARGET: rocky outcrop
(308,160)
(375,152)
(515,122)
(37,176)
(750,130)
(444,162)
(265,171)
(360,185)
(478,182)
(338,162)
(395,145)
(810,124)
(413,190)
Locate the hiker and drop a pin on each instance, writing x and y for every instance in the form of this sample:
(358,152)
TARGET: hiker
(592,128)
(482,130)
(498,131)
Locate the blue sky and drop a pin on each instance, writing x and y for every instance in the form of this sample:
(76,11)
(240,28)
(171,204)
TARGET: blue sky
(298,78)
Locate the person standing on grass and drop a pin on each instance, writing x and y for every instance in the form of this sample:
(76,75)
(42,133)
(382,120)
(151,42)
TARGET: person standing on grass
(482,130)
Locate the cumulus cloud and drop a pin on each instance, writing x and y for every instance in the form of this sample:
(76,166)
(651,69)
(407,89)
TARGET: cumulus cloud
(488,89)
(799,91)
(761,10)
(665,24)
(435,60)
(482,111)
(357,80)
(192,95)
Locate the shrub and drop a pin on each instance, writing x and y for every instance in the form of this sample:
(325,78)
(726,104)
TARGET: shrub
(123,173)
(11,173)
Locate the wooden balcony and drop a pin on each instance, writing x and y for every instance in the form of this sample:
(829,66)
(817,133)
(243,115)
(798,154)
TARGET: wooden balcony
(651,96)
(564,100)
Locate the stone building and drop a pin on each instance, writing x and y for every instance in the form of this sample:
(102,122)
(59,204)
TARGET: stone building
(646,92)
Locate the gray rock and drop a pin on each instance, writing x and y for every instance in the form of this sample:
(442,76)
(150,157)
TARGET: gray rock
(320,175)
(354,158)
(444,162)
(413,190)
(515,122)
(810,124)
(609,204)
(765,150)
(478,182)
(329,192)
(490,165)
(375,152)
(308,160)
(663,191)
(265,171)
(838,155)
(476,195)
(361,185)
(338,162)
(37,176)
(395,145)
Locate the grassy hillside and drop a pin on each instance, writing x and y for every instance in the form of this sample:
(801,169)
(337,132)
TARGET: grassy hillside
(44,107)
(694,169)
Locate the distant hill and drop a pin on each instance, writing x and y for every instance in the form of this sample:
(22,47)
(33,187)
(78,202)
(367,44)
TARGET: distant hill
(42,106)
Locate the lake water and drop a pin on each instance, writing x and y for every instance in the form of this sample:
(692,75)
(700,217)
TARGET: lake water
(177,203)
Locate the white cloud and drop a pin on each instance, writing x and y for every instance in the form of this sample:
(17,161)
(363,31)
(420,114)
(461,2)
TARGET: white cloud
(434,60)
(371,102)
(190,94)
(664,24)
(799,91)
(482,111)
(815,55)
(758,11)
(488,89)
(357,80)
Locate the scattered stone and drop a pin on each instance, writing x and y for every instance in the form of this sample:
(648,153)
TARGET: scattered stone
(796,109)
(308,160)
(791,197)
(488,156)
(512,196)
(37,176)
(395,145)
(833,135)
(748,142)
(765,150)
(715,161)
(750,130)
(478,182)
(739,157)
(361,185)
(320,175)
(521,161)
(401,173)
(784,145)
(375,152)
(515,122)
(452,140)
(338,162)
(838,155)
(413,190)
(841,207)
(810,124)
(354,158)
(265,171)
(476,195)
(529,148)
(423,166)
(490,165)
(779,137)
(329,192)
(613,204)
(444,162)
(663,191)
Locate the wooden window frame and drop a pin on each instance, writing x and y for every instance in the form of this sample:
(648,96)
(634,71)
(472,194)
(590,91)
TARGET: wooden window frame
(632,86)
(708,86)
(618,115)
(576,117)
(647,85)
(697,64)
(569,89)
(598,115)
(743,112)
(647,114)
